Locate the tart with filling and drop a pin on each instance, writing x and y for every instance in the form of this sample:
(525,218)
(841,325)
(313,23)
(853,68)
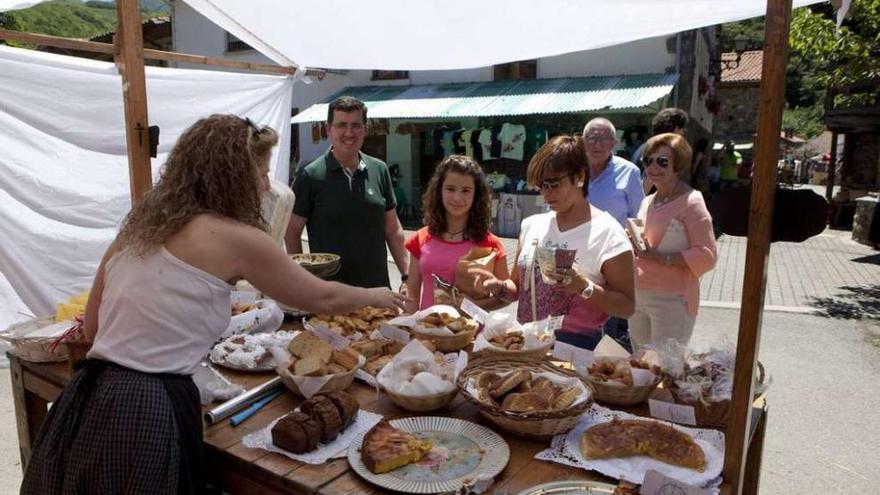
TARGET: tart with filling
(386,448)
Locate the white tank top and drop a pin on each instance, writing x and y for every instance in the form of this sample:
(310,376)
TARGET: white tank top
(159,314)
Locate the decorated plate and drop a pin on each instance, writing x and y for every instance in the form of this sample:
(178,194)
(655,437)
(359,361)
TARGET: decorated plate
(579,487)
(463,452)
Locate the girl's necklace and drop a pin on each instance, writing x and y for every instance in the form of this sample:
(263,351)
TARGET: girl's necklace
(662,201)
(452,235)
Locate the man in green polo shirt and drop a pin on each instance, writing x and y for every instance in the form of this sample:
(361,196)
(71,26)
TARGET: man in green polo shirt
(346,201)
(729,160)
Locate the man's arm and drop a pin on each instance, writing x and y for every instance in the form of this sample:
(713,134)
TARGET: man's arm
(395,238)
(293,236)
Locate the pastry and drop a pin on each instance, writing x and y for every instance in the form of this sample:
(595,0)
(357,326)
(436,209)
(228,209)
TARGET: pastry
(385,448)
(375,365)
(321,408)
(296,432)
(347,358)
(527,402)
(308,366)
(629,437)
(566,398)
(508,383)
(347,405)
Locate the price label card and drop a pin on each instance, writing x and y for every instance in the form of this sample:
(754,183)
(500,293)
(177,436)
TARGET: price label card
(394,333)
(656,483)
(475,312)
(668,411)
(333,338)
(572,354)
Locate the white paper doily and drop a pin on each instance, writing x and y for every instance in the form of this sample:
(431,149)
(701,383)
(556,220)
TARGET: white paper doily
(262,439)
(565,449)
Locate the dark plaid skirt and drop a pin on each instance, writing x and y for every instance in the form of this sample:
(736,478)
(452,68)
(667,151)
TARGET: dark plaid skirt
(114,430)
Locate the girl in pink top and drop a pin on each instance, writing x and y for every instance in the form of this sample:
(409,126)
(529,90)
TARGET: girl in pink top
(680,247)
(457,212)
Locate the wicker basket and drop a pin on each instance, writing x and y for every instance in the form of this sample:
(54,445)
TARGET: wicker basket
(446,343)
(709,413)
(336,383)
(421,404)
(539,425)
(321,270)
(34,349)
(616,395)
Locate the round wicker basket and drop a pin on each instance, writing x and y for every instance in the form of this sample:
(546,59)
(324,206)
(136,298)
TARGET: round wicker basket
(322,269)
(539,425)
(616,395)
(446,343)
(336,383)
(421,404)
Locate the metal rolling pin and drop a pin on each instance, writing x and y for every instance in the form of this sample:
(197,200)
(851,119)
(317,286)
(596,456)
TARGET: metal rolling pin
(244,400)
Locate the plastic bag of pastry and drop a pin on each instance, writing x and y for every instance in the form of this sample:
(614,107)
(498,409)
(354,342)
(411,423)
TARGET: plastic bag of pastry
(212,385)
(264,316)
(444,292)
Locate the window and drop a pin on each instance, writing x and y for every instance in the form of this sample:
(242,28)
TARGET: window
(524,69)
(234,44)
(389,75)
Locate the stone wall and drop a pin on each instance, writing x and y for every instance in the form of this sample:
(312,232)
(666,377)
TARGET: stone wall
(738,118)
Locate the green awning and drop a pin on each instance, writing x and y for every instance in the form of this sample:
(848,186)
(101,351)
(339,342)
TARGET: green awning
(633,93)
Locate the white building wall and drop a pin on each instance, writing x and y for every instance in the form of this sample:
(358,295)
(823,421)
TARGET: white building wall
(698,111)
(648,56)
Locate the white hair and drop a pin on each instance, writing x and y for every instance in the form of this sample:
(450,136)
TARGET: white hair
(600,122)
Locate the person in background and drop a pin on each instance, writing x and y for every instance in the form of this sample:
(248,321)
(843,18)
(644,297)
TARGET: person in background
(457,212)
(601,281)
(679,248)
(729,161)
(700,166)
(614,186)
(129,420)
(672,120)
(345,199)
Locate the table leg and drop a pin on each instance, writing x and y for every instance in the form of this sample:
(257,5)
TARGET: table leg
(752,475)
(30,411)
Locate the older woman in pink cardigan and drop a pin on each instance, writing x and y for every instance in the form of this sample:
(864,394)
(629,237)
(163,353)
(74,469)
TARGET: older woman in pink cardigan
(679,247)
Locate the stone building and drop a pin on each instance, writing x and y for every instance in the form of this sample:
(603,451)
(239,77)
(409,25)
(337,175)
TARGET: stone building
(737,97)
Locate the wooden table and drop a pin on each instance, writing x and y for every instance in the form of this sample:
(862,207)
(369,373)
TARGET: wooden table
(238,469)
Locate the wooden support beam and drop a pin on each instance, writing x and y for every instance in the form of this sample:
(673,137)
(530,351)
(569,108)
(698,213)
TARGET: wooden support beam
(106,48)
(832,170)
(770,104)
(130,61)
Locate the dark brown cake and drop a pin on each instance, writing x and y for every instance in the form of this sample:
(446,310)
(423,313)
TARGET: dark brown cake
(347,406)
(290,434)
(321,408)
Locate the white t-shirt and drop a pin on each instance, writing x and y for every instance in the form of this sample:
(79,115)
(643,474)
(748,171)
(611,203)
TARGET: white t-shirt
(512,138)
(596,241)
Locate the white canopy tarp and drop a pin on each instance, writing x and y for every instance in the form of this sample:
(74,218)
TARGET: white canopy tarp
(456,34)
(64,182)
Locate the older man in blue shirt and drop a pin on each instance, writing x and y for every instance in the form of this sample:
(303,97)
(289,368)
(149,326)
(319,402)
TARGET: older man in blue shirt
(615,186)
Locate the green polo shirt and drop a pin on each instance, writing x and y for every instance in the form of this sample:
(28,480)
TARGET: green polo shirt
(347,217)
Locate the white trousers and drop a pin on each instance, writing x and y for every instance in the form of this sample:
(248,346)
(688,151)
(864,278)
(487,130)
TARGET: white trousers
(660,316)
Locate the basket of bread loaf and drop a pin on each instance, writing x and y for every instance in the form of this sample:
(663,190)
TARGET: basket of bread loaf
(505,337)
(315,366)
(419,380)
(531,399)
(447,329)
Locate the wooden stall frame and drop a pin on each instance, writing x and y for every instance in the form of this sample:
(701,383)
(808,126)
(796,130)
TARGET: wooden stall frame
(129,53)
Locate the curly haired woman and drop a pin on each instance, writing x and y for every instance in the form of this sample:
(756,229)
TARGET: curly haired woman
(129,420)
(458,214)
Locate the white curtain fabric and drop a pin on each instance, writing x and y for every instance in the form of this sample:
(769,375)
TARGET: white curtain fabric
(456,34)
(64,182)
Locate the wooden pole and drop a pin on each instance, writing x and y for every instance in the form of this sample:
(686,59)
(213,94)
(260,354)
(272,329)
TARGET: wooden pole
(758,244)
(130,60)
(832,169)
(149,54)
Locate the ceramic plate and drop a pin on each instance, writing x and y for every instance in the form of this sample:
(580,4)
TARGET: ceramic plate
(581,487)
(462,451)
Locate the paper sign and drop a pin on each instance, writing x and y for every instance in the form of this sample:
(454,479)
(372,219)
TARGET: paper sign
(394,333)
(668,411)
(656,483)
(571,354)
(327,335)
(476,312)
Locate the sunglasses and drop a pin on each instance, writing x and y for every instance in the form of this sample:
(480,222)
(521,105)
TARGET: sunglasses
(661,161)
(552,183)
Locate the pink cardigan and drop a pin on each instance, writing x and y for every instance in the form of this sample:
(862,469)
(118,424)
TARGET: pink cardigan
(700,256)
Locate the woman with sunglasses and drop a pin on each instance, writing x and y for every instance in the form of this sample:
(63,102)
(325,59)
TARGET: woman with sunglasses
(679,247)
(601,281)
(458,214)
(129,420)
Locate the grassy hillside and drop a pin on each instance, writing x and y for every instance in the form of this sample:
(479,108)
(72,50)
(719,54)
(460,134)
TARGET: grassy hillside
(68,18)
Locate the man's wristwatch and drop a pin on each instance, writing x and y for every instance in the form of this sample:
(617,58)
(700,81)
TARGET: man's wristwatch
(588,290)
